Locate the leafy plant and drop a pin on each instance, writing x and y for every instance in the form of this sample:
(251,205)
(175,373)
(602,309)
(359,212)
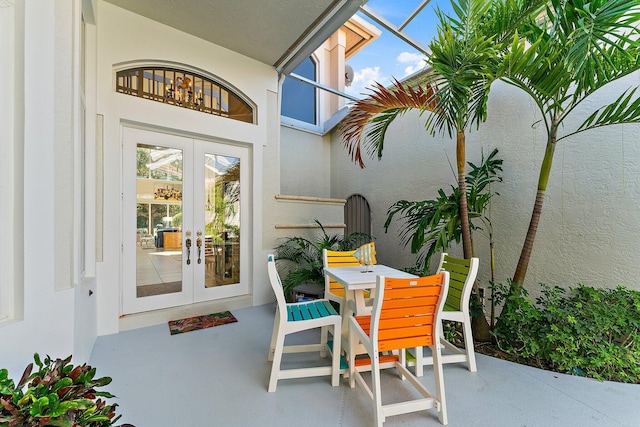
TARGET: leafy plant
(301,259)
(582,331)
(430,226)
(57,394)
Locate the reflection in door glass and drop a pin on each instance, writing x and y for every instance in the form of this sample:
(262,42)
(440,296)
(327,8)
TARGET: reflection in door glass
(222,220)
(159,220)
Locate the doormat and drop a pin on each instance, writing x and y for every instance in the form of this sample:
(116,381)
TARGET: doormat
(200,322)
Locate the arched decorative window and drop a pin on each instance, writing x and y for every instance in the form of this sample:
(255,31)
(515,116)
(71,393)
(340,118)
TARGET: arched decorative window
(184,89)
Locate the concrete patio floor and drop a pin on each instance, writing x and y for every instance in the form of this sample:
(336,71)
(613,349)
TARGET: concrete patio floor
(218,377)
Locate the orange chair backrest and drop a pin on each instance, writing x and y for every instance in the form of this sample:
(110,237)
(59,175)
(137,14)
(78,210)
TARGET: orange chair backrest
(406,311)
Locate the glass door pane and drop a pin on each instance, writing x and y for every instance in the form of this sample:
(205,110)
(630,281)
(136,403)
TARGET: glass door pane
(159,220)
(157,197)
(222,220)
(185,221)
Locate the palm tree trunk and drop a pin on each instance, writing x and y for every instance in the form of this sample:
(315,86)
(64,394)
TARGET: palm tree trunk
(462,187)
(493,280)
(545,171)
(479,325)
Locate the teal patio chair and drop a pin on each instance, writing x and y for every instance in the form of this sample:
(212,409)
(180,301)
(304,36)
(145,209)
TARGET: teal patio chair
(296,317)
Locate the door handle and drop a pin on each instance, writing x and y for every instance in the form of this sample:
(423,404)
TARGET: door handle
(199,245)
(188,245)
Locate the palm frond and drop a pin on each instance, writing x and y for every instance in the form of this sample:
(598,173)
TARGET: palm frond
(464,60)
(600,40)
(428,225)
(381,108)
(587,45)
(506,17)
(625,109)
(485,174)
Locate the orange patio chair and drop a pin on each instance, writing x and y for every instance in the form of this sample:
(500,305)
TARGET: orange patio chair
(406,314)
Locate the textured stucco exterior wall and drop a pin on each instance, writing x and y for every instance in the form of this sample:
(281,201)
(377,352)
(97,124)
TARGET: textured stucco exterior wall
(305,167)
(590,222)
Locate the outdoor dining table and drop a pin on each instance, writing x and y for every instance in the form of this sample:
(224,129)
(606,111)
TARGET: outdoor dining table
(356,281)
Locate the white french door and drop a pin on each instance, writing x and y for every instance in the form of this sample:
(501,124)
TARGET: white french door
(185,220)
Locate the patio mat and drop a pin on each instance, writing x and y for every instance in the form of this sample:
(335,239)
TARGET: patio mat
(200,322)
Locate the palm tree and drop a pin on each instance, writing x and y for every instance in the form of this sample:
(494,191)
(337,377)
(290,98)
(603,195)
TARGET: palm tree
(455,94)
(464,57)
(579,48)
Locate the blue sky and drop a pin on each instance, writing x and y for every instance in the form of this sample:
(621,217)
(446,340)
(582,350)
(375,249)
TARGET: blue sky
(389,56)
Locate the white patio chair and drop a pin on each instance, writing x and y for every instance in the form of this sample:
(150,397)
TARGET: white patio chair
(456,309)
(296,317)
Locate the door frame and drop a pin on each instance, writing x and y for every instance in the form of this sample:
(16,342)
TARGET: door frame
(192,274)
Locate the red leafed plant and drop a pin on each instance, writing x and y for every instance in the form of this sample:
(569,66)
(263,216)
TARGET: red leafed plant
(58,394)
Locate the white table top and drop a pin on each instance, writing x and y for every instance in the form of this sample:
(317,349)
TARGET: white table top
(352,278)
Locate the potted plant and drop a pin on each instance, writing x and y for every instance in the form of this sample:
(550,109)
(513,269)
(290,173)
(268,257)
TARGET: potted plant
(57,394)
(300,259)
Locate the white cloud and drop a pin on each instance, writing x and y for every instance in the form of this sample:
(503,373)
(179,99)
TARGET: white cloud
(365,79)
(405,57)
(416,62)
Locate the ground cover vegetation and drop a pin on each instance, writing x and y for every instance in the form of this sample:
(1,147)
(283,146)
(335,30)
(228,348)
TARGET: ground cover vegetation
(581,331)
(560,53)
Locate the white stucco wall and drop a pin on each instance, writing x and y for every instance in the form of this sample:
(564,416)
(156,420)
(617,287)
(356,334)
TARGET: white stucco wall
(123,37)
(590,222)
(9,152)
(46,323)
(306,166)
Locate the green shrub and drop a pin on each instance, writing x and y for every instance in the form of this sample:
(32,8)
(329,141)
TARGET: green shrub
(582,331)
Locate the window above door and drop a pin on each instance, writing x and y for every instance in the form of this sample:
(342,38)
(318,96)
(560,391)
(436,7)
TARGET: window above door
(186,89)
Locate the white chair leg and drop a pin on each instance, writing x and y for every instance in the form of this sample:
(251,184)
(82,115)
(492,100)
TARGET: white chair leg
(353,339)
(274,334)
(377,391)
(324,332)
(438,374)
(468,343)
(419,352)
(277,359)
(335,362)
(402,361)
